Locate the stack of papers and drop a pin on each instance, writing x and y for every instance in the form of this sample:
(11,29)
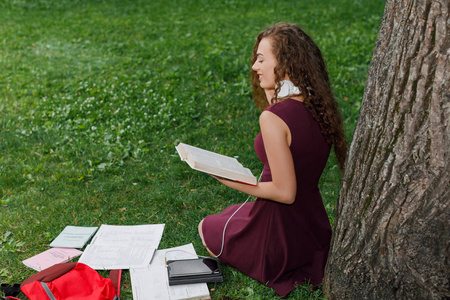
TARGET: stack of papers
(125,247)
(152,282)
(122,247)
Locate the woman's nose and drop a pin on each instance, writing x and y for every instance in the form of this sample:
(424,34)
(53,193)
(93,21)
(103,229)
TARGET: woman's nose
(254,67)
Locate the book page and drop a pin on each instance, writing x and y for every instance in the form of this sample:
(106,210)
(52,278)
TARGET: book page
(215,164)
(152,282)
(73,237)
(216,160)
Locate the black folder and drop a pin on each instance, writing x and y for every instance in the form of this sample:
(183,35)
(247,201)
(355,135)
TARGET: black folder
(186,271)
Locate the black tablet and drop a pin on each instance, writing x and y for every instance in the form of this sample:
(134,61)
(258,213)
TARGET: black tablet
(197,270)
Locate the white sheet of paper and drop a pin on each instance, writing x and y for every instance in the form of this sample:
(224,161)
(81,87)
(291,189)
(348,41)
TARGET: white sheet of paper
(129,235)
(152,282)
(119,257)
(122,246)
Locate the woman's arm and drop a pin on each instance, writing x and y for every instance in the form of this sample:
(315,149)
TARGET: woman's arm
(283,187)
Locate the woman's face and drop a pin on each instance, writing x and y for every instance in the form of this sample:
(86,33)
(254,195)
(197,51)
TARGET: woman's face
(265,64)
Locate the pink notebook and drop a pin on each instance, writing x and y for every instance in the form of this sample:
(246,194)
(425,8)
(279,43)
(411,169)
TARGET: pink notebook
(51,257)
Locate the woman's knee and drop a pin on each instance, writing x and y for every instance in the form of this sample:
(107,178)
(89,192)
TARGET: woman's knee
(200,232)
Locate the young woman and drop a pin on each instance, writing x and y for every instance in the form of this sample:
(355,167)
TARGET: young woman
(282,239)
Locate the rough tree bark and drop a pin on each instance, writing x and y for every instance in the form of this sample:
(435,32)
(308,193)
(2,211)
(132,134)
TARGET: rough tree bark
(392,228)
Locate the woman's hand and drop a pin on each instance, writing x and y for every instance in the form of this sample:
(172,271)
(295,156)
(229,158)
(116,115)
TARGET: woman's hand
(224,181)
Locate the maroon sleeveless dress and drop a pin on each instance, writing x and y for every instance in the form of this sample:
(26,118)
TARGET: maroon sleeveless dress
(281,245)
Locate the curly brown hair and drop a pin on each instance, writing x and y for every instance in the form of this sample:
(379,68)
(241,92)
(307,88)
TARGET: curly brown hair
(300,59)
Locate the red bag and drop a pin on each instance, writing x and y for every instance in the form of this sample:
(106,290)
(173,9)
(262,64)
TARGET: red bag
(71,281)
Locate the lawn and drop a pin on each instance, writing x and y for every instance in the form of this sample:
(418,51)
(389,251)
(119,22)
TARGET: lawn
(94,96)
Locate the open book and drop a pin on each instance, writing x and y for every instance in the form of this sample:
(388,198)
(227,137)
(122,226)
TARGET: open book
(215,164)
(73,237)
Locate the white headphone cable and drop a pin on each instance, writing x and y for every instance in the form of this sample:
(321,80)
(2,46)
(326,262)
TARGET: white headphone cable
(226,224)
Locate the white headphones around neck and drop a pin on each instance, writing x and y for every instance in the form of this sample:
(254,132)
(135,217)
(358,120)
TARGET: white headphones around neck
(287,89)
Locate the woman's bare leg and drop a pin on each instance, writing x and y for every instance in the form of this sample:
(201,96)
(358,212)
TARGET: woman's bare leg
(200,232)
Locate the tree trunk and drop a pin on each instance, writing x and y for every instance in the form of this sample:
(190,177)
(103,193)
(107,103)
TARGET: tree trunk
(392,228)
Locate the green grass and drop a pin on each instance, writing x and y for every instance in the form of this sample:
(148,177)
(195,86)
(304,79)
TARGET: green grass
(94,95)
